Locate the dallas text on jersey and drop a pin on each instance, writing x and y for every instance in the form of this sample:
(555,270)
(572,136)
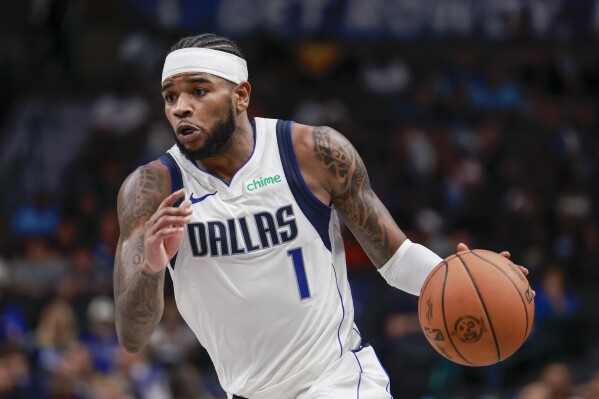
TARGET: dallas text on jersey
(217,238)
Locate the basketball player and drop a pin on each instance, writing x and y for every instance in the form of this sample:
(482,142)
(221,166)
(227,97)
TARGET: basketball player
(245,216)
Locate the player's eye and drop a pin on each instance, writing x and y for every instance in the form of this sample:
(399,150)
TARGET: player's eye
(169,98)
(199,92)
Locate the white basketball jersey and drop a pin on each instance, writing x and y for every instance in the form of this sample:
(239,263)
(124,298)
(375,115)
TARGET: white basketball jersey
(260,276)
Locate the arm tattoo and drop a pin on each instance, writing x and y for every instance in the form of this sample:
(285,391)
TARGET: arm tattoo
(143,305)
(138,295)
(138,256)
(138,203)
(363,212)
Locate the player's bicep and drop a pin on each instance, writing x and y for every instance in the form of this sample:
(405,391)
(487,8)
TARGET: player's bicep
(363,212)
(139,197)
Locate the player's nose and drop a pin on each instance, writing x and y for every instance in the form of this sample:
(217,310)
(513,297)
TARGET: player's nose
(182,107)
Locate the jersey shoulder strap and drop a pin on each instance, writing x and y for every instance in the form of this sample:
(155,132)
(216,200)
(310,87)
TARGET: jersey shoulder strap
(175,172)
(317,213)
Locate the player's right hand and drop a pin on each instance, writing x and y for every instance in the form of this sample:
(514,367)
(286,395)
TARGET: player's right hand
(164,232)
(505,254)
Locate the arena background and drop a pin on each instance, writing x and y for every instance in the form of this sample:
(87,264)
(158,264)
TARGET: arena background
(477,120)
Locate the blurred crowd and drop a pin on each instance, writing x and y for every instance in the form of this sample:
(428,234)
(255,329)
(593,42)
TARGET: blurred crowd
(494,144)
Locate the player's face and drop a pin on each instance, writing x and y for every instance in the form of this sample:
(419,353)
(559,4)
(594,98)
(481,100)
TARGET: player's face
(199,108)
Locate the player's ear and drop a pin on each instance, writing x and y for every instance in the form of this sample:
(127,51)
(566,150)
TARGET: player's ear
(241,96)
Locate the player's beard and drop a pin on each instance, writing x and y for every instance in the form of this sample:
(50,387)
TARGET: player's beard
(218,139)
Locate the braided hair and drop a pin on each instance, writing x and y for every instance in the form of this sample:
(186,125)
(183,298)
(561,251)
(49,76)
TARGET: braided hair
(210,41)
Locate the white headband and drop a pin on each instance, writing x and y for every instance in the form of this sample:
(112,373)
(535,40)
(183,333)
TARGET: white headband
(225,65)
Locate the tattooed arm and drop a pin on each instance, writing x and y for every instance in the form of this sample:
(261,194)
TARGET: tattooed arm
(151,230)
(335,173)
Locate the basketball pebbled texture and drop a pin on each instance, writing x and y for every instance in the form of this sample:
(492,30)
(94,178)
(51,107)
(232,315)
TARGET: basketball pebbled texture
(476,308)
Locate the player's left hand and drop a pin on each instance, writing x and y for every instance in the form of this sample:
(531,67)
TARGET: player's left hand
(505,254)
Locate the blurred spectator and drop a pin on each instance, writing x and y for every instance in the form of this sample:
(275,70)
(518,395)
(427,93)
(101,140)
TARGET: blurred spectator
(173,342)
(8,385)
(319,57)
(496,90)
(321,112)
(386,76)
(39,217)
(100,335)
(105,246)
(86,278)
(146,378)
(590,390)
(535,390)
(21,370)
(13,326)
(84,208)
(174,346)
(120,113)
(554,299)
(12,319)
(65,238)
(160,138)
(409,352)
(73,372)
(555,334)
(37,275)
(557,377)
(55,333)
(16,379)
(108,387)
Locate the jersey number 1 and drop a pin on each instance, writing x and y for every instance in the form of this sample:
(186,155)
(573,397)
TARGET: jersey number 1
(300,272)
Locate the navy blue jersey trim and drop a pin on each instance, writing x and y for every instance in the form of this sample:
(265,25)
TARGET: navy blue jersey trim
(317,213)
(173,261)
(342,312)
(176,177)
(359,375)
(176,183)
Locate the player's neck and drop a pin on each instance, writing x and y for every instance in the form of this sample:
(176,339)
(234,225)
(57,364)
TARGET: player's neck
(225,165)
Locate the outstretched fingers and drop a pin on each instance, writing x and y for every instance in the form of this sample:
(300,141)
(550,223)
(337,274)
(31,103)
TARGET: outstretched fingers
(169,220)
(462,247)
(169,232)
(166,221)
(506,254)
(169,201)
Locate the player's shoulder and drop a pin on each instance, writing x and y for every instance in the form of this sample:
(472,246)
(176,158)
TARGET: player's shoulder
(147,182)
(301,136)
(309,141)
(154,174)
(317,149)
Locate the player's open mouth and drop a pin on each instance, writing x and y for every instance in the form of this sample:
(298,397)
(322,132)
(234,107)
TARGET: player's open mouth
(187,132)
(184,129)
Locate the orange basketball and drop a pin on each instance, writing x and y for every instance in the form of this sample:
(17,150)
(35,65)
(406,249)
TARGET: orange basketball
(476,308)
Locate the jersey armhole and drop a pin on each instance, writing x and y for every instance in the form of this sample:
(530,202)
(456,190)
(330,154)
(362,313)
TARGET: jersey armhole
(315,210)
(175,172)
(176,184)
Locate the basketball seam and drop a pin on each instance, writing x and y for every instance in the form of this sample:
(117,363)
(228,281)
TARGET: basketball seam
(484,308)
(514,284)
(443,314)
(426,282)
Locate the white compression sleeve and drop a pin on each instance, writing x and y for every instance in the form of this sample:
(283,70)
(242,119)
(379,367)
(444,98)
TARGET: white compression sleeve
(409,266)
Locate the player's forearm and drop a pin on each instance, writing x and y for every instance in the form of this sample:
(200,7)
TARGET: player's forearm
(138,295)
(139,309)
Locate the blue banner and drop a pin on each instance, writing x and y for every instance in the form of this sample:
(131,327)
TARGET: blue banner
(399,19)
